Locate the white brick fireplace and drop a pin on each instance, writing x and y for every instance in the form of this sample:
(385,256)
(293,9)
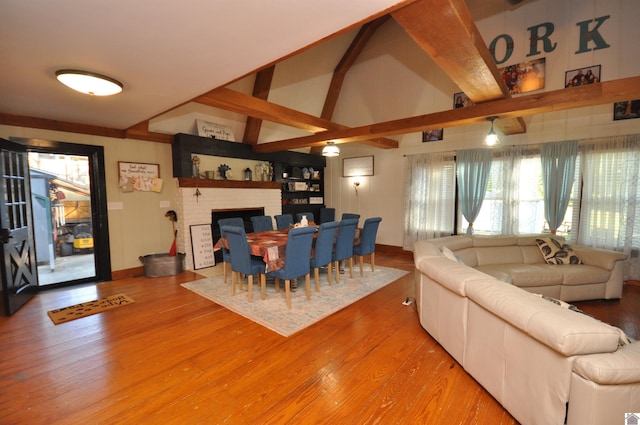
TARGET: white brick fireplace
(192,209)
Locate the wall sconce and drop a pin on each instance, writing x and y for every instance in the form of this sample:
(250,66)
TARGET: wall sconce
(356,184)
(492,137)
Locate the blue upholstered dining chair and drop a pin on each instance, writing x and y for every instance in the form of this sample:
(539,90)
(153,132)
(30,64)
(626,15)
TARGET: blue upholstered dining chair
(323,251)
(226,257)
(327,215)
(283,221)
(296,260)
(344,245)
(243,262)
(347,216)
(308,214)
(367,243)
(262,223)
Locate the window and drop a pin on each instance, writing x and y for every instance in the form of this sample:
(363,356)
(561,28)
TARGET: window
(514,201)
(429,197)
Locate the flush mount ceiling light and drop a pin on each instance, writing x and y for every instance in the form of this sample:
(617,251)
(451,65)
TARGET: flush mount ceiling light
(492,137)
(330,150)
(89,82)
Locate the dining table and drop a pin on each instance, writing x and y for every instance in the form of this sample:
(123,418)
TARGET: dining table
(270,245)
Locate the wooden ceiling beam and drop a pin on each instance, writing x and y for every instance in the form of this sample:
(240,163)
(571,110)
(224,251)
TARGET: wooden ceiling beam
(607,92)
(348,59)
(261,88)
(455,44)
(241,103)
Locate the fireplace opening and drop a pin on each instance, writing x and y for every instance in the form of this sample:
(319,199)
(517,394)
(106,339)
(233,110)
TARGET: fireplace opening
(244,213)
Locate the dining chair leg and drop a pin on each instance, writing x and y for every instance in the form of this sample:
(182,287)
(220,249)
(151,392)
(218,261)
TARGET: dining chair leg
(287,290)
(316,278)
(337,269)
(250,287)
(277,284)
(351,267)
(307,281)
(373,261)
(329,274)
(361,261)
(224,272)
(263,285)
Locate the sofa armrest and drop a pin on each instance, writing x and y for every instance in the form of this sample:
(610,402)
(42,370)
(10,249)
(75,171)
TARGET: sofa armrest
(619,367)
(598,257)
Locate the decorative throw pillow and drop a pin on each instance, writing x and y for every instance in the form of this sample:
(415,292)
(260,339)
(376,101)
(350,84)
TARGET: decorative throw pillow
(451,255)
(556,252)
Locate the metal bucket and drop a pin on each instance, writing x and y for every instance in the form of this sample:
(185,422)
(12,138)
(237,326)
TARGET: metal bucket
(157,265)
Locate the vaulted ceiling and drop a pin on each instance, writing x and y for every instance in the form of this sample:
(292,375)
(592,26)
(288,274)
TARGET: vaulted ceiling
(188,52)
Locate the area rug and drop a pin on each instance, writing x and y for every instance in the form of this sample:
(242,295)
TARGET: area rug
(273,313)
(72,312)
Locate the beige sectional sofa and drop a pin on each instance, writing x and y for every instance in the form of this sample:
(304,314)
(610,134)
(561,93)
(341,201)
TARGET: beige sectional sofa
(518,260)
(542,362)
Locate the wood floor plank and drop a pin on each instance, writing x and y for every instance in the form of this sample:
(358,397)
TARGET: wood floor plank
(175,357)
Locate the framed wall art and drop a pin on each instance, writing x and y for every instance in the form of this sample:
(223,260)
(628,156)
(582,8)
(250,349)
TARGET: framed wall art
(524,77)
(626,110)
(358,166)
(582,76)
(432,135)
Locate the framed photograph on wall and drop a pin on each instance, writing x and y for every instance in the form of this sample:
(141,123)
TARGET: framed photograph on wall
(432,135)
(582,76)
(461,100)
(358,166)
(524,77)
(626,110)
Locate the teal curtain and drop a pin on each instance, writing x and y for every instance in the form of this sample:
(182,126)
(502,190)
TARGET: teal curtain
(558,173)
(472,170)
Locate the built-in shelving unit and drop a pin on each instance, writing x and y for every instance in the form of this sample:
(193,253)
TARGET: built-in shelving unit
(300,192)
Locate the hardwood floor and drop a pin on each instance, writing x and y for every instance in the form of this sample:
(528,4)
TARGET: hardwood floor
(175,357)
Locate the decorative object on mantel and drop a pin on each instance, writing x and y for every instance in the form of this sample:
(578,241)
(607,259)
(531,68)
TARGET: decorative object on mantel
(247,174)
(225,172)
(195,173)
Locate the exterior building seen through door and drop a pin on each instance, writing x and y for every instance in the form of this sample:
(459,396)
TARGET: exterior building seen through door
(63,230)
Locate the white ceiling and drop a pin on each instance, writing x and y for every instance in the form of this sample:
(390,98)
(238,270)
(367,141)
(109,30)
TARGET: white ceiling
(165,53)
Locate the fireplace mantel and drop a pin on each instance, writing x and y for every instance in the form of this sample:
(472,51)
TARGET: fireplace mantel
(227,184)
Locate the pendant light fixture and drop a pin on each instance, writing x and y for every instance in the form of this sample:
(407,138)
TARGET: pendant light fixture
(330,149)
(492,137)
(89,82)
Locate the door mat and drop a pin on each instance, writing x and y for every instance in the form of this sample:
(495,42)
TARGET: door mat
(72,312)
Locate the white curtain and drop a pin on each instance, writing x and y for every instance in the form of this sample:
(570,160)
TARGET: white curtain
(429,197)
(609,215)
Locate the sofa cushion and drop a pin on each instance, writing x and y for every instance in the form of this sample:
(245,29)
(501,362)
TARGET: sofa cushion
(560,329)
(620,367)
(579,274)
(557,252)
(525,275)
